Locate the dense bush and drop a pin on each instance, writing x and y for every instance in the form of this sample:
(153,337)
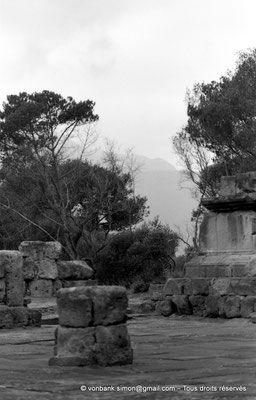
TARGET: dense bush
(138,257)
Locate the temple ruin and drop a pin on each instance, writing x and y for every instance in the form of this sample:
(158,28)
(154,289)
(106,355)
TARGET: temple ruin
(221,280)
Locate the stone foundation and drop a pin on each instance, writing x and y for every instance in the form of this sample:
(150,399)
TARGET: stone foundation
(92,327)
(12,310)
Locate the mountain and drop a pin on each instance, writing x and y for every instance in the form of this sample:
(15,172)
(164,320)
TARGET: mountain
(159,181)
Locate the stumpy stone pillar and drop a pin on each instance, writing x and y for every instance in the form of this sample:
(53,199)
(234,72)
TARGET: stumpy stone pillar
(92,327)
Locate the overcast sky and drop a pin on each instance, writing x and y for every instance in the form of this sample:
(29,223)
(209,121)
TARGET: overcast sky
(134,58)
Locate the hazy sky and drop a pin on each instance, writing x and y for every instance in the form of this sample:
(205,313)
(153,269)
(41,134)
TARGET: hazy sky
(134,58)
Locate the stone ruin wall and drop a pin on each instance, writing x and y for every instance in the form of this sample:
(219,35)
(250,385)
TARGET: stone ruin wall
(45,273)
(35,271)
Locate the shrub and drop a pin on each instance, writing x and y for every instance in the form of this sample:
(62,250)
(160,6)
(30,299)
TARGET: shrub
(140,256)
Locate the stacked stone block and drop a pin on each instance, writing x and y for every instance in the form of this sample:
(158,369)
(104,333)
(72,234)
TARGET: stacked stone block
(12,311)
(92,327)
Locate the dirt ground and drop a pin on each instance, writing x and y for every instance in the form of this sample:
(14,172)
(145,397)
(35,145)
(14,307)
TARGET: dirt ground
(174,358)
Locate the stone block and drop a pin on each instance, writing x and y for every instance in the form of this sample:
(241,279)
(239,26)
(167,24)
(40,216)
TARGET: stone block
(6,318)
(14,280)
(76,342)
(239,184)
(34,317)
(109,304)
(232,306)
(74,270)
(75,307)
(247,306)
(93,305)
(214,305)
(47,269)
(219,286)
(227,232)
(198,304)
(242,286)
(19,315)
(182,304)
(196,286)
(38,250)
(175,286)
(2,290)
(29,269)
(113,345)
(41,288)
(165,307)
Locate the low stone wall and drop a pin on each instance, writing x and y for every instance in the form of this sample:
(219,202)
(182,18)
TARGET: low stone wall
(92,327)
(45,274)
(12,310)
(217,297)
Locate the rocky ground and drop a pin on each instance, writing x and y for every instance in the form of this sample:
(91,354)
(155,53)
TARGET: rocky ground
(174,358)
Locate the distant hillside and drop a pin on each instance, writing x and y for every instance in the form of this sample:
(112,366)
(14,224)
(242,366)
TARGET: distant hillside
(159,182)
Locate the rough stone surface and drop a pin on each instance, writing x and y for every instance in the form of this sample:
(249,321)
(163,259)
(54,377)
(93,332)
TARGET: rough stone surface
(165,307)
(182,304)
(198,304)
(242,286)
(20,316)
(74,270)
(75,307)
(34,317)
(76,342)
(39,259)
(12,263)
(92,305)
(232,306)
(247,306)
(175,286)
(113,345)
(196,286)
(12,317)
(2,290)
(214,305)
(6,318)
(219,286)
(41,287)
(239,184)
(109,304)
(39,250)
(47,269)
